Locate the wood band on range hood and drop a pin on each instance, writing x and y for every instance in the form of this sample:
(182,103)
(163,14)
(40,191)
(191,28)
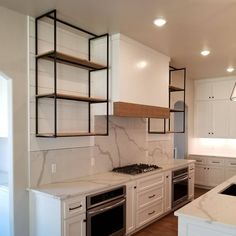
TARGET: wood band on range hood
(140,111)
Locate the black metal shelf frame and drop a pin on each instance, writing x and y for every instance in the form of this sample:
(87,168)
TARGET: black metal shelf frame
(53,54)
(171,90)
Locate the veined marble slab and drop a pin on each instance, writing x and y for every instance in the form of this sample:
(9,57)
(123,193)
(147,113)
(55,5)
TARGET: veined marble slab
(98,182)
(213,207)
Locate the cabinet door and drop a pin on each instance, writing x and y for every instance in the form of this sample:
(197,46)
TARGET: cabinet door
(220,118)
(203,119)
(191,185)
(232,119)
(203,91)
(75,226)
(130,207)
(230,172)
(200,175)
(167,194)
(215,176)
(222,89)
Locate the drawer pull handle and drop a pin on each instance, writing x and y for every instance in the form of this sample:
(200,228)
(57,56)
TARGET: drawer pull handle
(216,162)
(74,208)
(233,164)
(152,196)
(199,160)
(150,213)
(192,169)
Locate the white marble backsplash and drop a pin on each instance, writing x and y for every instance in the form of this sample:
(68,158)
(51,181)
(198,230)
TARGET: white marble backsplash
(128,142)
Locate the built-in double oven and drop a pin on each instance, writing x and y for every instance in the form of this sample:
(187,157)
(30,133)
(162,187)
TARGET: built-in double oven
(106,213)
(179,187)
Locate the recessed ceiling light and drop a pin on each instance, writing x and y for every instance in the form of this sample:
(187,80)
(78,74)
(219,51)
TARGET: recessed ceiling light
(159,22)
(230,69)
(205,52)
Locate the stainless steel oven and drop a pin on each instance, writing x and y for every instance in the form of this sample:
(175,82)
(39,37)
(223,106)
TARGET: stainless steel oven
(106,213)
(179,187)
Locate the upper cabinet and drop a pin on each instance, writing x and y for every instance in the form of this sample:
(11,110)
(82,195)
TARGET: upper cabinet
(140,75)
(213,90)
(214,113)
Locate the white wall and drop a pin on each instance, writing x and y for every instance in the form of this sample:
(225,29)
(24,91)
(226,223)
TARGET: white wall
(13,63)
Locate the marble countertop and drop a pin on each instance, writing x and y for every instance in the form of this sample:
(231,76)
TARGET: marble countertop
(99,182)
(213,207)
(209,155)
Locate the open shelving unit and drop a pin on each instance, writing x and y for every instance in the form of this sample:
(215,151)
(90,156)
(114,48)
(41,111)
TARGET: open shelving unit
(166,123)
(87,64)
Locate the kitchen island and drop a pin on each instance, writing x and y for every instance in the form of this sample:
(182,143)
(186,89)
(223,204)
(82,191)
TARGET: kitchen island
(212,214)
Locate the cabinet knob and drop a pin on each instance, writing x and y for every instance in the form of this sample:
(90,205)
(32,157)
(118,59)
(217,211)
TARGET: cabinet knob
(209,133)
(167,176)
(212,133)
(208,168)
(135,187)
(213,97)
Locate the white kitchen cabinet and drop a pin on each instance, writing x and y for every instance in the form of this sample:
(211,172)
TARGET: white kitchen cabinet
(139,74)
(209,176)
(130,207)
(52,216)
(232,119)
(211,171)
(75,226)
(191,171)
(214,114)
(211,119)
(214,89)
(230,168)
(200,176)
(203,123)
(168,191)
(214,176)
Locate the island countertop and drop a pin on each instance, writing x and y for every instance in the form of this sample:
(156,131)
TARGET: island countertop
(213,207)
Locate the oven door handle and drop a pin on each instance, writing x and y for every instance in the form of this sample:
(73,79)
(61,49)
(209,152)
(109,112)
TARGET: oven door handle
(92,212)
(180,179)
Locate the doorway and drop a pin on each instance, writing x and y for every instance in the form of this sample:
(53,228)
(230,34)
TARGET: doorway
(6,175)
(180,139)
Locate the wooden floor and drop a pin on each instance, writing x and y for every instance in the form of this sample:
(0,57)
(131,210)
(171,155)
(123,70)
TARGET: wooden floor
(167,226)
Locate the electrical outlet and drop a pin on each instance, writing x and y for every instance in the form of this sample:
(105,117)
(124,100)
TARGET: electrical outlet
(54,168)
(92,161)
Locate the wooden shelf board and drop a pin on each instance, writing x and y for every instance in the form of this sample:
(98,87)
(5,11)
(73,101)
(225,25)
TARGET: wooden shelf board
(71,60)
(175,89)
(71,97)
(74,134)
(125,109)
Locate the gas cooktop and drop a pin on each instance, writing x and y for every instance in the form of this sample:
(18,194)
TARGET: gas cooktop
(136,169)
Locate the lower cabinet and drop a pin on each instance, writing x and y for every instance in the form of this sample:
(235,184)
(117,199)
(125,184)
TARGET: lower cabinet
(212,171)
(146,214)
(209,175)
(168,191)
(130,207)
(75,226)
(51,216)
(191,185)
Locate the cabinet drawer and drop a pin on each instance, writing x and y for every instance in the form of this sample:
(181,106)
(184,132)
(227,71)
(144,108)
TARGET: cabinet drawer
(199,160)
(149,196)
(229,162)
(215,161)
(73,206)
(191,168)
(149,213)
(150,182)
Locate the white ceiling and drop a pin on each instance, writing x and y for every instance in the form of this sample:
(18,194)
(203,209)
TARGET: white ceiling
(192,25)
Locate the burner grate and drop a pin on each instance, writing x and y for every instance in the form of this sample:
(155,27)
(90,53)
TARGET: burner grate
(136,168)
